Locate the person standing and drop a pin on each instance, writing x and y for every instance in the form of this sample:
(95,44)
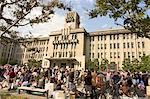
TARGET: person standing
(11,79)
(116,80)
(94,75)
(72,86)
(88,84)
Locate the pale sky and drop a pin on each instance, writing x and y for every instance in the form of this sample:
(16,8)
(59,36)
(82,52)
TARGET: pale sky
(57,22)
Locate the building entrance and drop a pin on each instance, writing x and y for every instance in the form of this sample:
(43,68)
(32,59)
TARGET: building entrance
(63,64)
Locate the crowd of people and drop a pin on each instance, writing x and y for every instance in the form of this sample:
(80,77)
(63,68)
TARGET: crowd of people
(94,83)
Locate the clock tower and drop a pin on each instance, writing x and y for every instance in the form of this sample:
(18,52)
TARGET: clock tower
(72,20)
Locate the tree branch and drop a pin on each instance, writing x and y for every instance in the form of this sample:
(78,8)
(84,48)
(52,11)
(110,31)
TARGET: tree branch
(22,24)
(18,20)
(4,5)
(9,21)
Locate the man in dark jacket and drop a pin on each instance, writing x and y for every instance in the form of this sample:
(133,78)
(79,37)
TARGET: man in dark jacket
(72,86)
(88,84)
(116,80)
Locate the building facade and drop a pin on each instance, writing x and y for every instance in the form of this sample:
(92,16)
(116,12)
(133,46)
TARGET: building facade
(73,46)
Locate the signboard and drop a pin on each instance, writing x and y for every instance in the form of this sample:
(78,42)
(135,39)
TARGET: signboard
(112,67)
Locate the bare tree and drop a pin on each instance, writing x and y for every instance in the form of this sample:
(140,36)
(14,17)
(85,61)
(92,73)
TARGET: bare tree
(18,13)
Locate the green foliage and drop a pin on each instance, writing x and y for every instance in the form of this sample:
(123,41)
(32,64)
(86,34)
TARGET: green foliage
(136,65)
(92,64)
(103,64)
(3,61)
(33,62)
(145,63)
(132,12)
(13,62)
(127,66)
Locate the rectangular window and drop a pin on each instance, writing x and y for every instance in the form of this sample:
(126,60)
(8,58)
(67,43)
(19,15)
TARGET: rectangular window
(139,54)
(98,38)
(92,55)
(75,36)
(127,36)
(59,54)
(105,46)
(63,54)
(74,54)
(132,46)
(104,37)
(114,37)
(124,54)
(117,36)
(54,46)
(133,55)
(101,46)
(70,54)
(98,55)
(128,54)
(114,45)
(123,36)
(124,45)
(131,36)
(62,37)
(143,45)
(98,46)
(118,54)
(110,46)
(144,54)
(118,45)
(110,37)
(75,46)
(137,36)
(56,54)
(72,46)
(93,38)
(128,45)
(138,44)
(65,37)
(105,55)
(61,46)
(93,47)
(66,54)
(101,55)
(114,54)
(66,46)
(110,54)
(101,38)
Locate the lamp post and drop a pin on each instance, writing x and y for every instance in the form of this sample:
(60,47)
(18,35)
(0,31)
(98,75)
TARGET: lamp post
(9,55)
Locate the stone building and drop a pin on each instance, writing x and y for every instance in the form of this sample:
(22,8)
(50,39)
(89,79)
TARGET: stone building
(73,46)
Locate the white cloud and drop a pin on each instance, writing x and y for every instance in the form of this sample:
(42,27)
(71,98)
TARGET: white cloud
(90,0)
(44,29)
(104,26)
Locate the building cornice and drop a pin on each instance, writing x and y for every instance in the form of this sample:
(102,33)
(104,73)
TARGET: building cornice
(79,30)
(34,39)
(109,32)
